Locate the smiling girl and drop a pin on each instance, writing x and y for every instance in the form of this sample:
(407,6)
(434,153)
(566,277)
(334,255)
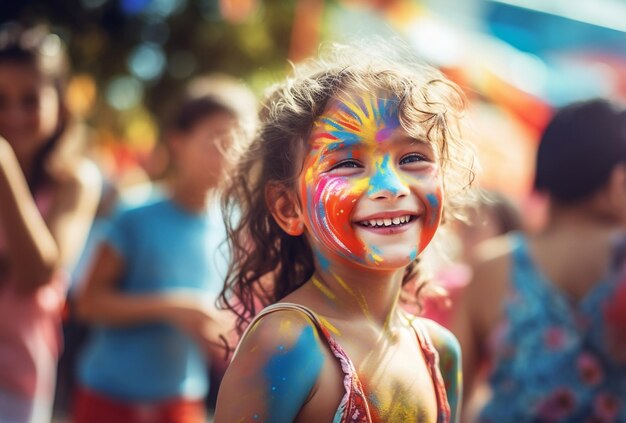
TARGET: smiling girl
(340,193)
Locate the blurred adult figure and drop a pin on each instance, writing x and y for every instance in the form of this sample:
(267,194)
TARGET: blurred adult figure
(536,310)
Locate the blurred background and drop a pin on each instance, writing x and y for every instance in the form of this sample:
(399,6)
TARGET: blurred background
(516,60)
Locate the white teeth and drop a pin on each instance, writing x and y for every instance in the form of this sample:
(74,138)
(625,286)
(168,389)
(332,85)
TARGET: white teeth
(387,221)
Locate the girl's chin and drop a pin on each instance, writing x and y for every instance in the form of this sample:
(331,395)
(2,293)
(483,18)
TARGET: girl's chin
(394,256)
(388,263)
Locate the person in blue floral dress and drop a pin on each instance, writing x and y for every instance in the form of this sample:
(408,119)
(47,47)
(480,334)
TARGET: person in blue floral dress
(543,321)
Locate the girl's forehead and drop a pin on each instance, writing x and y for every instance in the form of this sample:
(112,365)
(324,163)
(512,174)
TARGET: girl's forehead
(363,106)
(360,117)
(356,117)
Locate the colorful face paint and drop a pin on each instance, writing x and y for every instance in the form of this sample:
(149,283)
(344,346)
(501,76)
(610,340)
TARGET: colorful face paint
(433,218)
(290,375)
(357,155)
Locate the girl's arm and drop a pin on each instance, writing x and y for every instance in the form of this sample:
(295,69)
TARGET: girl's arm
(38,248)
(449,351)
(274,372)
(101,301)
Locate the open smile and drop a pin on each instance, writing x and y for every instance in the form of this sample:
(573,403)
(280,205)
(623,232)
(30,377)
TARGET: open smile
(388,222)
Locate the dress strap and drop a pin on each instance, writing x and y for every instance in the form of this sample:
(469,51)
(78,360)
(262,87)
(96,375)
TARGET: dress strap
(277,307)
(432,361)
(526,279)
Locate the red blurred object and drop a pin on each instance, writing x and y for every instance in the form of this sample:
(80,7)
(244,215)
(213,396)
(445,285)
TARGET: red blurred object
(376,4)
(235,11)
(91,407)
(306,29)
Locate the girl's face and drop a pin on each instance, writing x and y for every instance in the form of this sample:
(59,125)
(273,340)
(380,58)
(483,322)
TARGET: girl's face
(29,108)
(372,193)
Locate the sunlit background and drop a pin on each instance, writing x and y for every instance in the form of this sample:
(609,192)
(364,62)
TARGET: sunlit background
(516,60)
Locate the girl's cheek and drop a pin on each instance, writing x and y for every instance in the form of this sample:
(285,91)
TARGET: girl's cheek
(433,198)
(333,200)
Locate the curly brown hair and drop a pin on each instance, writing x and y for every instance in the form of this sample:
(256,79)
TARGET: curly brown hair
(266,263)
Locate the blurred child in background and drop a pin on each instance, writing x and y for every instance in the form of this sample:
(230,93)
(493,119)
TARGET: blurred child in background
(48,196)
(153,283)
(539,310)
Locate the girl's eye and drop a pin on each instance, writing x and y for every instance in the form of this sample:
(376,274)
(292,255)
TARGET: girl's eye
(350,164)
(413,158)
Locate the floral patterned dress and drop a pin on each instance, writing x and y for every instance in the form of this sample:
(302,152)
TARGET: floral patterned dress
(556,360)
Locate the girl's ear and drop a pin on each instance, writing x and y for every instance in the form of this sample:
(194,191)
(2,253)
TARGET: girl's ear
(285,208)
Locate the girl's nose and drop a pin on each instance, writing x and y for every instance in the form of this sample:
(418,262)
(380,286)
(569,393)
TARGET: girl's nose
(386,184)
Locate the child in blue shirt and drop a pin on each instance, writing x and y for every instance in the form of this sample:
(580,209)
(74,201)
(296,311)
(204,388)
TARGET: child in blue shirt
(152,286)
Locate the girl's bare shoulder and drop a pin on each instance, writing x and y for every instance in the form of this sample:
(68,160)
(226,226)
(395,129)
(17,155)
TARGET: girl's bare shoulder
(277,333)
(442,338)
(276,368)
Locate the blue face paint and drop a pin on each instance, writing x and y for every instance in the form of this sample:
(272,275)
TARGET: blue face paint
(323,261)
(345,137)
(291,374)
(348,110)
(385,178)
